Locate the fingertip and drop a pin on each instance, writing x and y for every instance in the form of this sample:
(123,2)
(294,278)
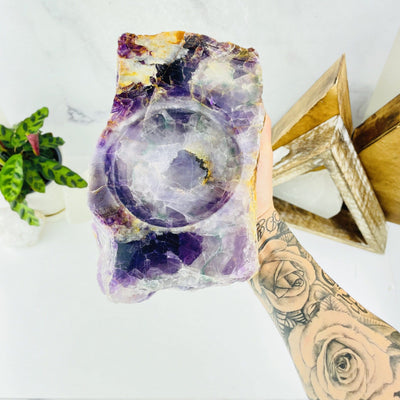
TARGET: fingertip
(266,131)
(267,123)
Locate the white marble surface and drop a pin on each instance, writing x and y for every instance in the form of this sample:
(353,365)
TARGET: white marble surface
(59,337)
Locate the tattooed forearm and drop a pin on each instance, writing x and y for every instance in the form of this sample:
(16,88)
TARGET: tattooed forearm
(340,349)
(267,224)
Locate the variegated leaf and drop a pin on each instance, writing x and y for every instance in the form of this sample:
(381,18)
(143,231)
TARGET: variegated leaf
(50,141)
(33,177)
(29,125)
(25,212)
(52,170)
(12,177)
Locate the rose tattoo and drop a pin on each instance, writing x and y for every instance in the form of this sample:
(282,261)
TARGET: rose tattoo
(338,358)
(285,276)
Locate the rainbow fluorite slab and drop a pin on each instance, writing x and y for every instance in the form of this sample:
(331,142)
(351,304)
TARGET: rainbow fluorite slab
(172,179)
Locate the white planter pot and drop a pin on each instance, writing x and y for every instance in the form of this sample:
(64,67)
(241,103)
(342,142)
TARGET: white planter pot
(51,203)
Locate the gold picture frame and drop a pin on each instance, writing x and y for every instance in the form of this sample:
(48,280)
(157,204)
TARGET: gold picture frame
(377,142)
(361,221)
(327,97)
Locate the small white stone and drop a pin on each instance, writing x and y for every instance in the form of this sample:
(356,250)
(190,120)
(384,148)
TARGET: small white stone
(15,232)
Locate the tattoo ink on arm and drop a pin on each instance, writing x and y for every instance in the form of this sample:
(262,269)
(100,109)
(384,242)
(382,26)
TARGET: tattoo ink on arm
(340,349)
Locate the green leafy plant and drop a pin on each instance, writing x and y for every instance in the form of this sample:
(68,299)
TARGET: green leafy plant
(28,160)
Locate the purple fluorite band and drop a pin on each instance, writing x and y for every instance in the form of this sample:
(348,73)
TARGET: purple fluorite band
(171,185)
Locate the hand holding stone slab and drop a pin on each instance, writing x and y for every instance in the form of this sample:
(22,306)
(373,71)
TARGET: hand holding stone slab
(172,180)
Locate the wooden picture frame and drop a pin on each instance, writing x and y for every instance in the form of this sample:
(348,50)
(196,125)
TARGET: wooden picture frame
(361,221)
(327,97)
(377,142)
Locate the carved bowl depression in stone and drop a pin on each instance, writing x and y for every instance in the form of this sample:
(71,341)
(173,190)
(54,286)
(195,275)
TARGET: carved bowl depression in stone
(172,179)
